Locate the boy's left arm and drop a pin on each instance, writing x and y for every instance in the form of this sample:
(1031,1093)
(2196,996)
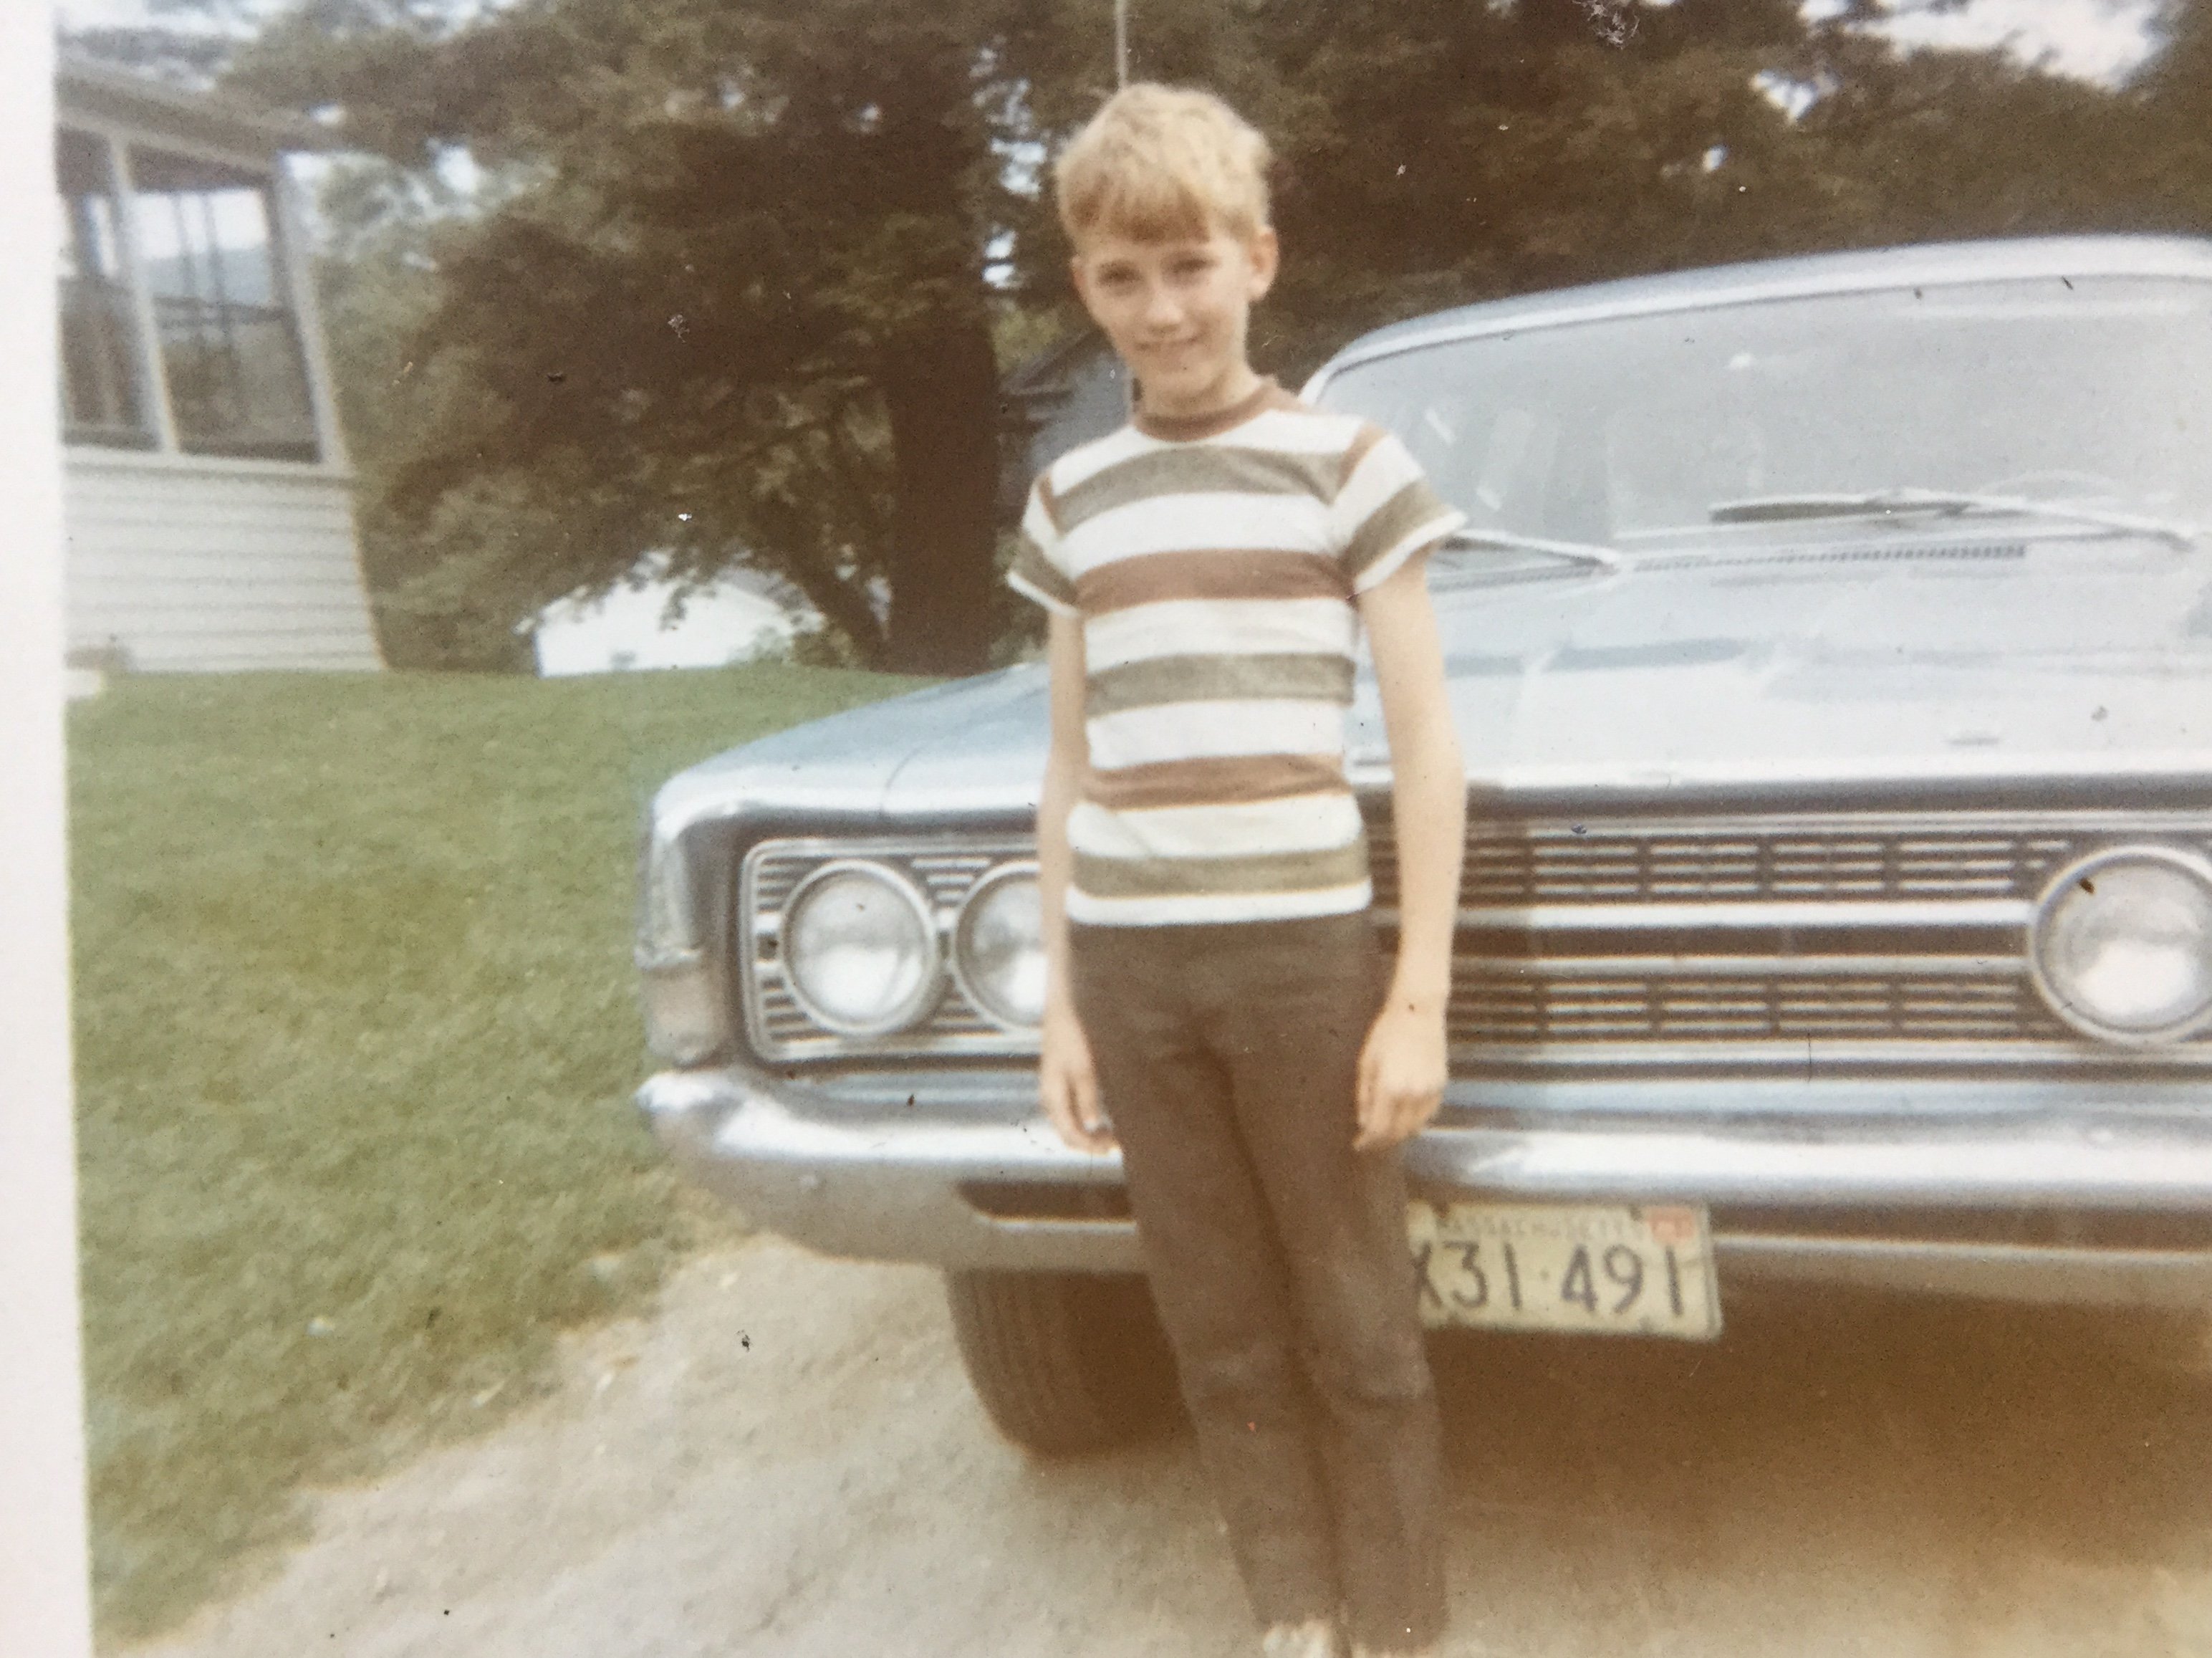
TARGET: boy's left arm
(1402,1067)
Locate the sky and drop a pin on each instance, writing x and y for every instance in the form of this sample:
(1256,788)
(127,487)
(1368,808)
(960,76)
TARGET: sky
(2096,40)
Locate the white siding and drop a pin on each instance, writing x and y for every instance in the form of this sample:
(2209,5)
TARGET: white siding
(213,565)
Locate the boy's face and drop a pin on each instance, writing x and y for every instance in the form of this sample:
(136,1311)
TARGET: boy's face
(1176,310)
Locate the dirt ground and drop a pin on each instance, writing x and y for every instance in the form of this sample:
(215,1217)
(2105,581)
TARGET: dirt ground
(785,1461)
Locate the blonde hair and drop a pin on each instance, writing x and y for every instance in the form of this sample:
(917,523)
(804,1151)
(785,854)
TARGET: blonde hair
(1160,161)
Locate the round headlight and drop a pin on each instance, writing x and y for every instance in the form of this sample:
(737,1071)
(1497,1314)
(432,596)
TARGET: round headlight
(2122,945)
(860,949)
(998,947)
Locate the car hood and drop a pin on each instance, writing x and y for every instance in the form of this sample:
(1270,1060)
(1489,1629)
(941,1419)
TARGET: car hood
(1741,673)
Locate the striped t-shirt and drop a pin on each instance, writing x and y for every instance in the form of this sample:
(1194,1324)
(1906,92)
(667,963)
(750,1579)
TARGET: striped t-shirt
(1213,562)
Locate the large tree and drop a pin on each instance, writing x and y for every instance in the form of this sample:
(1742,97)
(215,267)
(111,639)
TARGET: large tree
(721,287)
(732,298)
(2173,170)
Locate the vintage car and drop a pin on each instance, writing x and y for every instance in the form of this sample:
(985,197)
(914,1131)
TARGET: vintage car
(1832,654)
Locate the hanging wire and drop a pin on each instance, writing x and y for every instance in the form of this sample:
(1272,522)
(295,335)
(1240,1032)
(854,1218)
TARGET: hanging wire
(1121,79)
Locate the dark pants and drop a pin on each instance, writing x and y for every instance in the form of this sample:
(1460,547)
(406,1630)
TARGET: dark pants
(1227,1058)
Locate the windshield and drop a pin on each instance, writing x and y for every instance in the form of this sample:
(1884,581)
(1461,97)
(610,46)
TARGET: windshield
(1630,431)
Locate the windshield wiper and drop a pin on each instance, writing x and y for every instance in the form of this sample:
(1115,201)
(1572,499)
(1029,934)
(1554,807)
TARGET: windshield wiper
(1582,553)
(1780,509)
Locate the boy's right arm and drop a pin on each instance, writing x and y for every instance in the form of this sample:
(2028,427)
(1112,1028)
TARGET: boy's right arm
(1066,1081)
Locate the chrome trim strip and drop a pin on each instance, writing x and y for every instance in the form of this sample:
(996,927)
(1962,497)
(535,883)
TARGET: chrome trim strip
(910,844)
(1947,825)
(2024,1164)
(917,1044)
(1956,768)
(1716,915)
(1992,967)
(1473,1061)
(2052,1275)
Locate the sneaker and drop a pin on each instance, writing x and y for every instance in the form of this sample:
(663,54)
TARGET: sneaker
(1315,1638)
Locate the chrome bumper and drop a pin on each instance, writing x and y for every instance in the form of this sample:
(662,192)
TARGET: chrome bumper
(872,1172)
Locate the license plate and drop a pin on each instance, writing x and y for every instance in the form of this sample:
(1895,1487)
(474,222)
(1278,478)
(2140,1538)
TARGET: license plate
(1580,1268)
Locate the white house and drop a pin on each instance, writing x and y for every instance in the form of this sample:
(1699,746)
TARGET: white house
(207,498)
(639,625)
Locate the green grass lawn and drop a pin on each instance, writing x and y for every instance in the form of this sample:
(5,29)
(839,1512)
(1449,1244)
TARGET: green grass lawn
(355,1038)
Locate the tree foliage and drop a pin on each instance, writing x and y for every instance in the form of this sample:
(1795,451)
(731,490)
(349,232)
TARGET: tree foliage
(721,285)
(1435,151)
(733,299)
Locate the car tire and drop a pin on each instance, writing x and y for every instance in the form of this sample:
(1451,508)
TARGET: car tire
(1063,1362)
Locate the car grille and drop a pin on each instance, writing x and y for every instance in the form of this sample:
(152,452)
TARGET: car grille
(1589,942)
(1586,1007)
(1587,864)
(1875,937)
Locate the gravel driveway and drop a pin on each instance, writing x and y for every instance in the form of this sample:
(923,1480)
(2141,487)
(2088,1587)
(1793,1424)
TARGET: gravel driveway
(786,1461)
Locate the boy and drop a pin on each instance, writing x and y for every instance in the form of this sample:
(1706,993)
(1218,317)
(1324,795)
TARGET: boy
(1214,982)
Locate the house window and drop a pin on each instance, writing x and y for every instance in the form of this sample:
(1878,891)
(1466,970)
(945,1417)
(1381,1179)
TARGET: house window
(230,346)
(103,396)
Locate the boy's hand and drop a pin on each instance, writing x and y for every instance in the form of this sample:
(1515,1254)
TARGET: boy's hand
(1401,1074)
(1068,1086)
